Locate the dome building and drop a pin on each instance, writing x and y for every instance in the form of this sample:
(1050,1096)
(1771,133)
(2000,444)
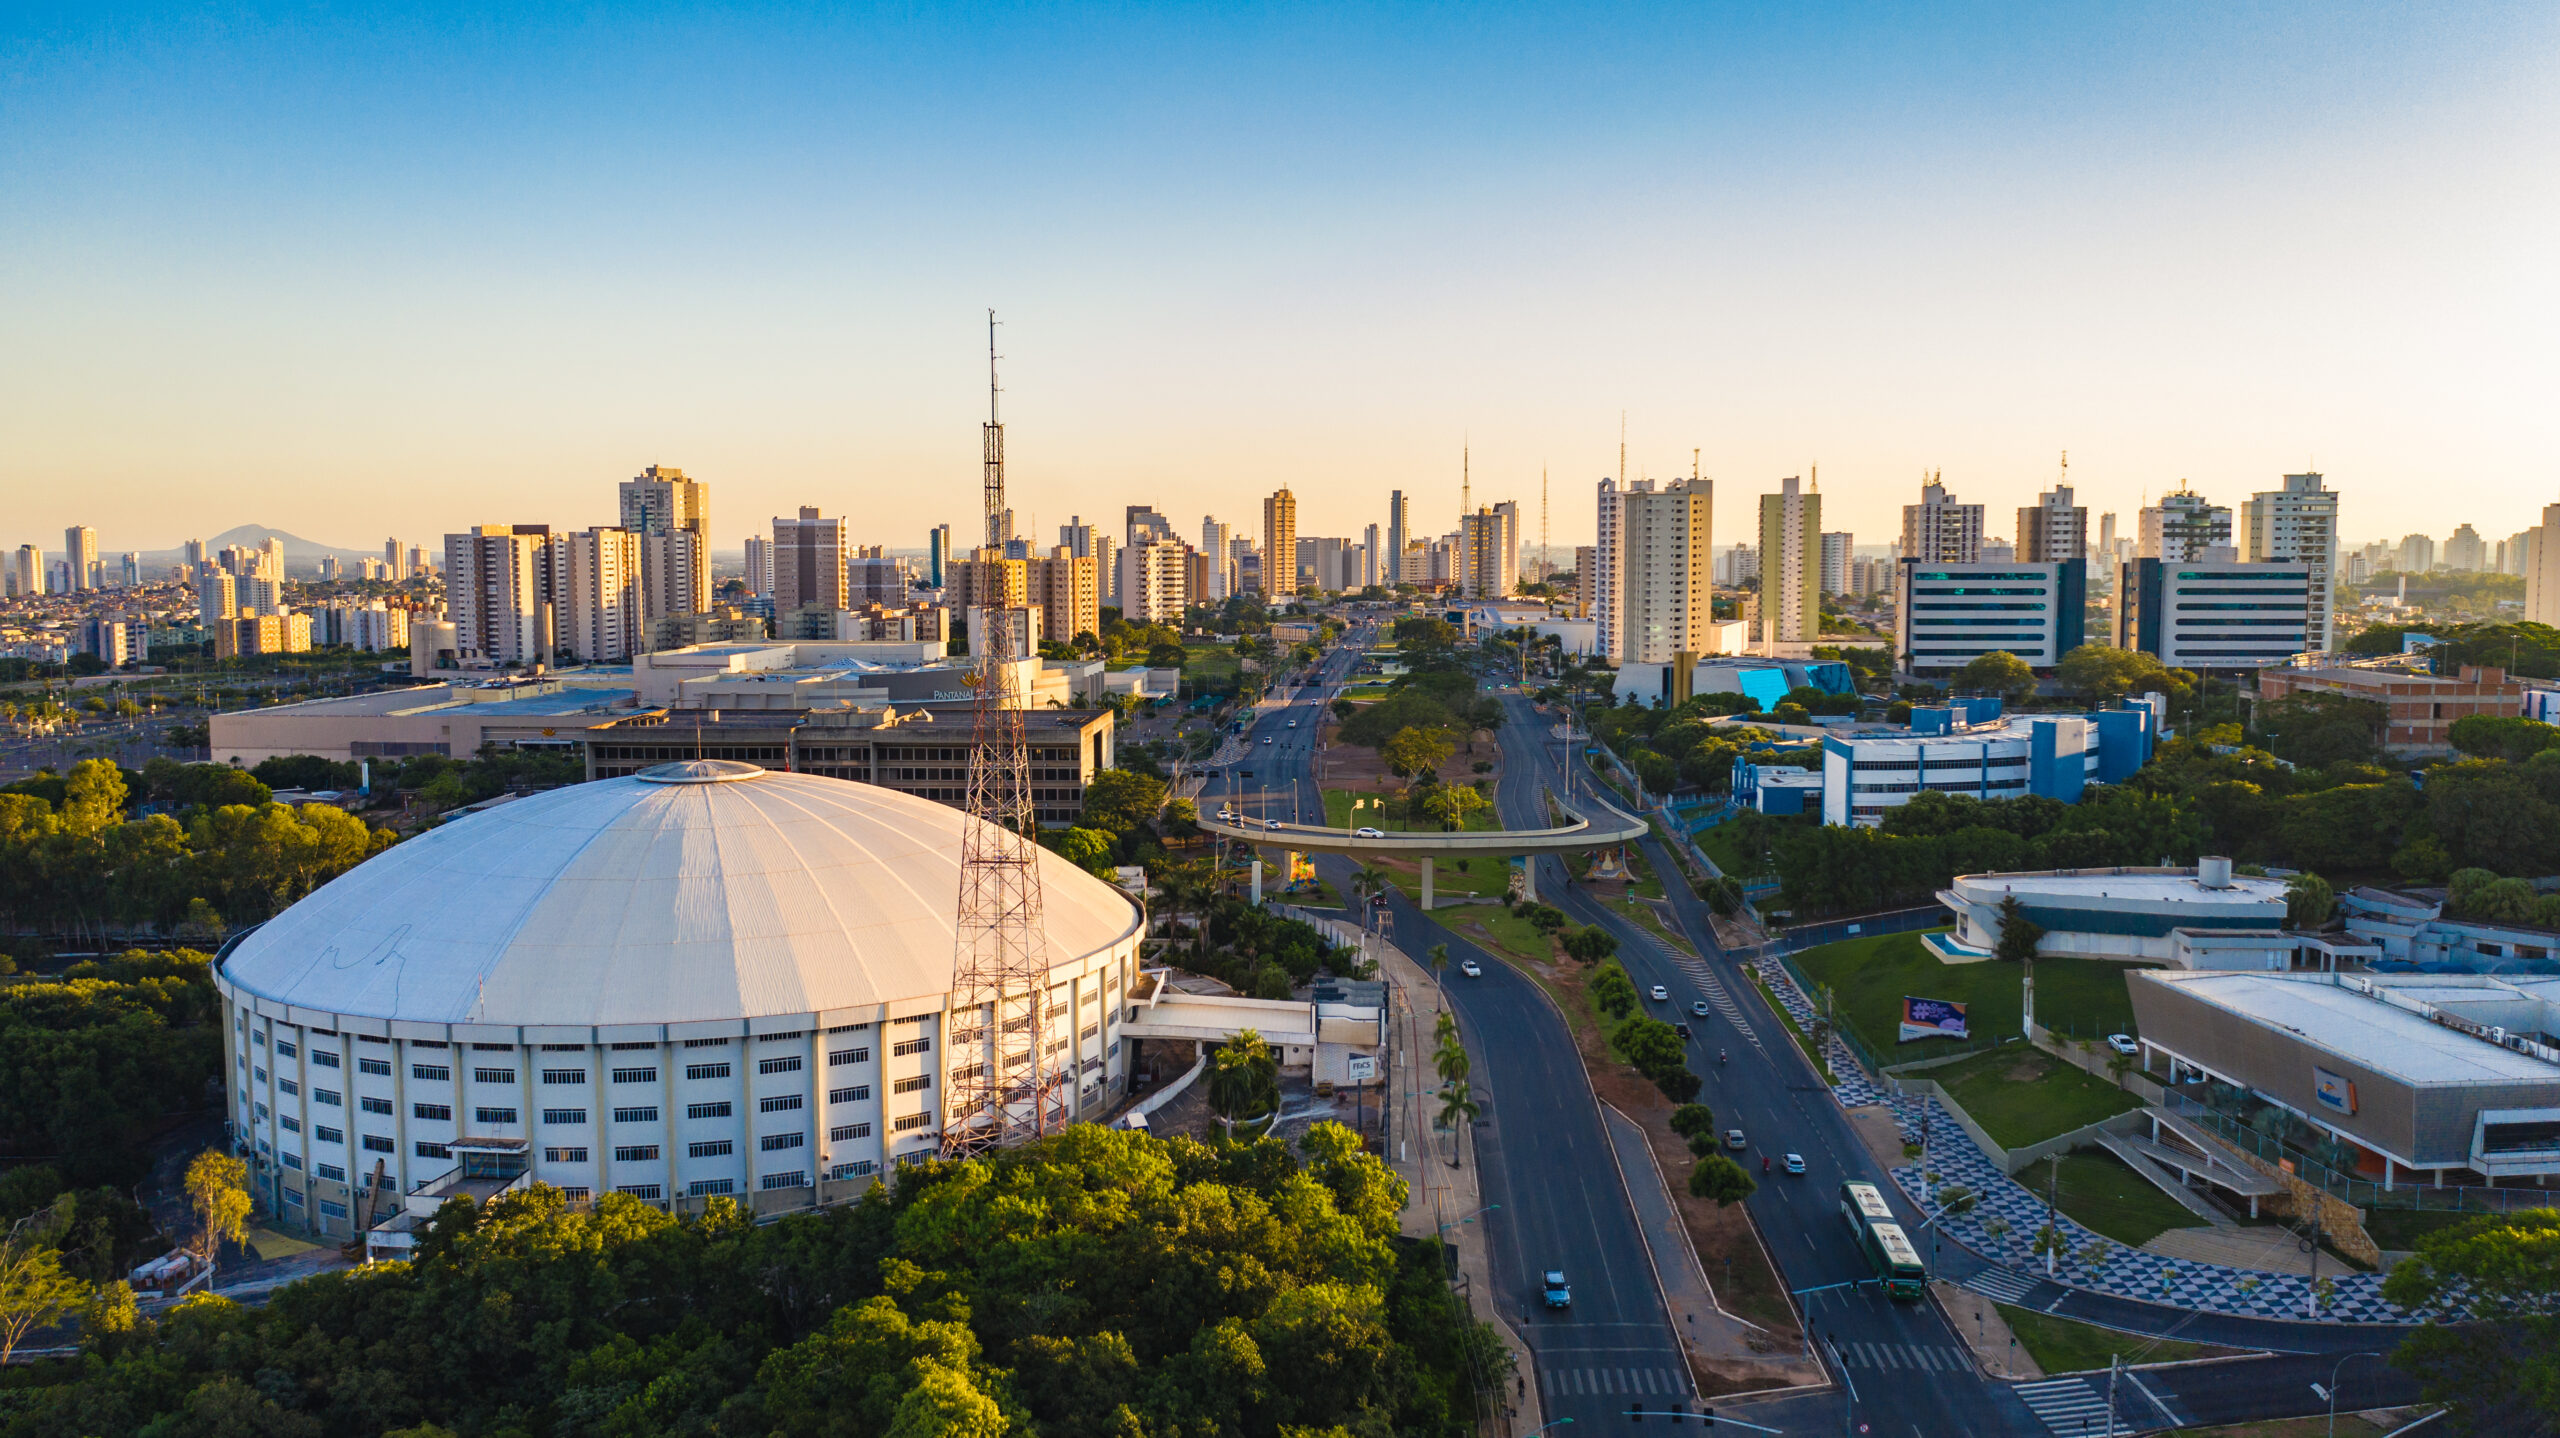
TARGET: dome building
(702,979)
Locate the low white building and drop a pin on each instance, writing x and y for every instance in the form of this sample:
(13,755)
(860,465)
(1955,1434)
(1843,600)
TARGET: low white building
(2200,918)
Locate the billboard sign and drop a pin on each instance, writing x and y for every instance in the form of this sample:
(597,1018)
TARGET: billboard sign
(1931,1019)
(2336,1092)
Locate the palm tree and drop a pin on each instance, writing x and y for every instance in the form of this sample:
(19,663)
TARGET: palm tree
(1439,961)
(1244,1079)
(1457,1107)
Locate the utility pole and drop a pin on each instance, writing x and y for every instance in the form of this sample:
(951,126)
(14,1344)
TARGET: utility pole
(2114,1361)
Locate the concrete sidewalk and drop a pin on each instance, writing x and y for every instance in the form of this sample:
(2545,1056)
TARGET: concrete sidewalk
(1442,1199)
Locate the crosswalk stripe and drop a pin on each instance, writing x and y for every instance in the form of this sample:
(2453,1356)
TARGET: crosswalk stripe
(2064,1404)
(2001,1285)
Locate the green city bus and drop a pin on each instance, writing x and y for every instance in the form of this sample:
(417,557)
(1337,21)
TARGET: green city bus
(1888,1249)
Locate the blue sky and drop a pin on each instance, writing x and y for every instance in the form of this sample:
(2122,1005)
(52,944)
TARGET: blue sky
(359,270)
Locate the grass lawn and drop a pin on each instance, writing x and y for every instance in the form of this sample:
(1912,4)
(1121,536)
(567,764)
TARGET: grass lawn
(1514,937)
(2107,1197)
(1339,814)
(1716,841)
(2059,1345)
(2399,1229)
(1869,977)
(2020,1095)
(1485,876)
(1209,661)
(1366,693)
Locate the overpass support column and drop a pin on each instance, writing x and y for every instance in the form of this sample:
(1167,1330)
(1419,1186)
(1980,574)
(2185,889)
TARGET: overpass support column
(1257,881)
(1529,877)
(1426,883)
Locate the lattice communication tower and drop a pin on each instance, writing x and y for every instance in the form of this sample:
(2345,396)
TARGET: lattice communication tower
(1005,1091)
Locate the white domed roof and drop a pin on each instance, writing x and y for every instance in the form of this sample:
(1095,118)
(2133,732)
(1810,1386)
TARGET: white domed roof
(704,890)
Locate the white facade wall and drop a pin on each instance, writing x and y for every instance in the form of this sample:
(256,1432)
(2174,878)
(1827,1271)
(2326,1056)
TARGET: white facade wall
(667,1112)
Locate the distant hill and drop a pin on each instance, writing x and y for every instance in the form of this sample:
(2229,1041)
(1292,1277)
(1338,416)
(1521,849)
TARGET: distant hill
(295,546)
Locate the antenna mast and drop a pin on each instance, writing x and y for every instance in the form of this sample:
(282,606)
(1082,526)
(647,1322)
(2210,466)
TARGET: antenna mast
(994,483)
(1466,481)
(1002,1089)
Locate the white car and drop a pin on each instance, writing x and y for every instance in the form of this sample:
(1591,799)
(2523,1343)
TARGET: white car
(1293,723)
(1365,832)
(1226,814)
(1271,823)
(1266,738)
(1471,969)
(1661,994)
(2123,1044)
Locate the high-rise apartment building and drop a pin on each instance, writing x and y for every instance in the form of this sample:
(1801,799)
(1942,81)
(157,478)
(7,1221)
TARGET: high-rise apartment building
(1999,551)
(191,554)
(1214,538)
(80,552)
(2417,554)
(1068,588)
(499,592)
(1791,564)
(1488,553)
(938,554)
(1155,576)
(873,576)
(1607,577)
(760,566)
(808,561)
(1665,597)
(1940,531)
(1839,549)
(1586,574)
(2542,569)
(660,499)
(27,573)
(1279,547)
(418,566)
(2515,552)
(217,594)
(2185,527)
(2299,524)
(2465,552)
(672,517)
(394,569)
(2053,528)
(2107,536)
(598,612)
(1145,524)
(1370,542)
(1399,535)
(987,580)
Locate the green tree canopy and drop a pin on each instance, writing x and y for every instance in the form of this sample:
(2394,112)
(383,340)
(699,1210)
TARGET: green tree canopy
(1998,672)
(1118,801)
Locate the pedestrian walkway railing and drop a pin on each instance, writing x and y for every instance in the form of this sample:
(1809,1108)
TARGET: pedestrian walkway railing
(2414,1195)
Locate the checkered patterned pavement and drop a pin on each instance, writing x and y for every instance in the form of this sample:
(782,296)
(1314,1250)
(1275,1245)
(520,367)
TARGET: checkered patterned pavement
(2002,1226)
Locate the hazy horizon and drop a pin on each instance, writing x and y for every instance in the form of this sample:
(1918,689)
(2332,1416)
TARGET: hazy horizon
(400,274)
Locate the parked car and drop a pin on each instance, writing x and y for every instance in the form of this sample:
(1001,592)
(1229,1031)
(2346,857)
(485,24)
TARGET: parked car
(1660,993)
(1471,969)
(1559,1293)
(2123,1044)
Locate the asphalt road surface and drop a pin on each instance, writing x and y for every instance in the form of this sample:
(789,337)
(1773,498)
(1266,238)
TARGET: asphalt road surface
(1898,1367)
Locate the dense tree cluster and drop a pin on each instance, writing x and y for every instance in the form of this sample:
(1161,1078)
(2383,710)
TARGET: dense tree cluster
(81,863)
(1098,1284)
(2502,1375)
(93,1058)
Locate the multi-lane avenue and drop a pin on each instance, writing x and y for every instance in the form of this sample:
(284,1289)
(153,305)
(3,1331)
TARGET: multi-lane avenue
(1898,1367)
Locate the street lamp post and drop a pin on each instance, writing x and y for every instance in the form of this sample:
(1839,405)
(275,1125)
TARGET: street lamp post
(2331,1392)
